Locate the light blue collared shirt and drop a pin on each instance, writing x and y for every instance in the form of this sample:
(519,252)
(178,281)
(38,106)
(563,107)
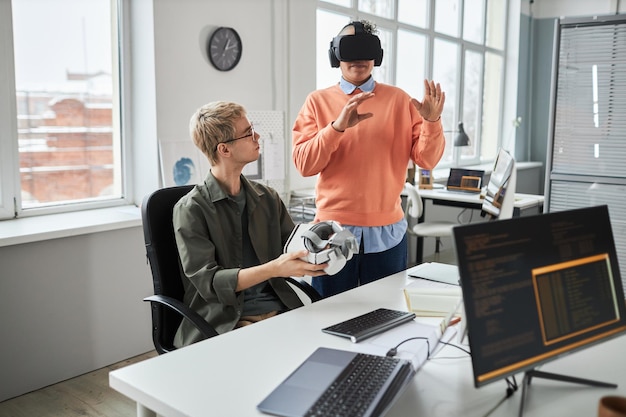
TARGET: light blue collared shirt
(376,238)
(348,88)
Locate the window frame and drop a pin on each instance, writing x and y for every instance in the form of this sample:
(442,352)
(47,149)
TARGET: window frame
(10,185)
(8,114)
(450,126)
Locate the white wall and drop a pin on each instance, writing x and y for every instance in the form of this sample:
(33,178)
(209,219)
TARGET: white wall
(71,305)
(276,71)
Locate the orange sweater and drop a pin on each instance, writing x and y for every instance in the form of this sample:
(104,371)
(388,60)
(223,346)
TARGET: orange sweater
(362,170)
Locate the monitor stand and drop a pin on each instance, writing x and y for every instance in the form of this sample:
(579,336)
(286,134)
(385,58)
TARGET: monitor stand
(528,375)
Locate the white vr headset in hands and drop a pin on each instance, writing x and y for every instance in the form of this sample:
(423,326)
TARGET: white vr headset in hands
(327,242)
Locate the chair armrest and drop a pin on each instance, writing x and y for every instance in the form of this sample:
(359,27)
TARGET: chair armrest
(205,328)
(306,288)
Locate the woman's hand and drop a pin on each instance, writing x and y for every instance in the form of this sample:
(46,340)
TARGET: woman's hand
(350,115)
(431,106)
(291,265)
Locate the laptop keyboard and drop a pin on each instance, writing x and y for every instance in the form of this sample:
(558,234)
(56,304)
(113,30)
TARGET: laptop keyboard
(369,324)
(365,388)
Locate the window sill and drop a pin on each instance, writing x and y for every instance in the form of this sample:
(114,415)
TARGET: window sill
(41,228)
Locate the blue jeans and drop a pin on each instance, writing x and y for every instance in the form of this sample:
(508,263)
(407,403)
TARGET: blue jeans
(363,268)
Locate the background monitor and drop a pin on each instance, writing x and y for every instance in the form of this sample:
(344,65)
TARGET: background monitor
(538,287)
(462,179)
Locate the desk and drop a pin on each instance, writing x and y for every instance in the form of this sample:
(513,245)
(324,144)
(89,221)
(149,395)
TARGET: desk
(230,374)
(525,204)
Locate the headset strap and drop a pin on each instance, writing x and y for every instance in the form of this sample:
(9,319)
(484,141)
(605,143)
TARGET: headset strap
(346,241)
(314,238)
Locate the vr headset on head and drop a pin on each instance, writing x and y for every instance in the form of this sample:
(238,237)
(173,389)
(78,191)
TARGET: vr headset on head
(361,46)
(327,242)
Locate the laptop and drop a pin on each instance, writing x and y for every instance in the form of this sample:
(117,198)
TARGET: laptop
(435,271)
(466,180)
(315,387)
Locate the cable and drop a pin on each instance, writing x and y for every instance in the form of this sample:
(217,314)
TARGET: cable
(456,346)
(511,385)
(394,350)
(458,217)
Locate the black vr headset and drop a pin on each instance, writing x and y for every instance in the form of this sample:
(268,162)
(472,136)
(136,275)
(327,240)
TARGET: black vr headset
(360,46)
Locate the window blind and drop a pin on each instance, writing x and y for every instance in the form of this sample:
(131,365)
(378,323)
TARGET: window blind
(590,112)
(587,147)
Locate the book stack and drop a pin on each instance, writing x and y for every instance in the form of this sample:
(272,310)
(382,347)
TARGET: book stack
(435,292)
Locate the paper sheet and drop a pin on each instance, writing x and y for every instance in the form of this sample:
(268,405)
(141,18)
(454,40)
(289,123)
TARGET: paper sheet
(414,350)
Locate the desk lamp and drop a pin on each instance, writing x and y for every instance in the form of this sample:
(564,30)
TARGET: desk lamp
(461,138)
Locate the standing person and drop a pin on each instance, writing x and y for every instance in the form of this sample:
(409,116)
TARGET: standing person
(359,136)
(230,232)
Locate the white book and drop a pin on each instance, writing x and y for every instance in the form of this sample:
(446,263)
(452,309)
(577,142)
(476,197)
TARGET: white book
(435,292)
(431,302)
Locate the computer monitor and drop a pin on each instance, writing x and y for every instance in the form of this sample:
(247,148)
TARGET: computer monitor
(538,287)
(500,194)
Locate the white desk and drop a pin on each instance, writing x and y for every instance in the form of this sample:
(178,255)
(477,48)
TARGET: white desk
(523,202)
(230,374)
(525,205)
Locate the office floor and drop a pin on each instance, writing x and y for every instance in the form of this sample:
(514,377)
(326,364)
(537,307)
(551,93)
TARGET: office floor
(87,395)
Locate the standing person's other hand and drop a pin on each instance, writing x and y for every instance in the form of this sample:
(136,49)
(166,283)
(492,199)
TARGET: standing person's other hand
(350,115)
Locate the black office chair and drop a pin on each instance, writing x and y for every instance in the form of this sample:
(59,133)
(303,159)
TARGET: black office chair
(168,310)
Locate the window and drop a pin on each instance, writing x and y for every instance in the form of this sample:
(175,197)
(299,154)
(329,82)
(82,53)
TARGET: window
(458,43)
(63,141)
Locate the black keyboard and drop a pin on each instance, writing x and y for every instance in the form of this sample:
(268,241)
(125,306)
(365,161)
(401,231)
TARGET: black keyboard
(366,387)
(369,324)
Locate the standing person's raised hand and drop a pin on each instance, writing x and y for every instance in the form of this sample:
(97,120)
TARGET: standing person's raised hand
(431,106)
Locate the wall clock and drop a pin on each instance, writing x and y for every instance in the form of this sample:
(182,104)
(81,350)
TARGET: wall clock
(224,48)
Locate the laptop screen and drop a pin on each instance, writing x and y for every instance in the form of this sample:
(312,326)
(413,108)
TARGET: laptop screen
(461,179)
(538,287)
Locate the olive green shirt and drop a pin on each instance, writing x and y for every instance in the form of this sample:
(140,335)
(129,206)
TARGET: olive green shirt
(207,226)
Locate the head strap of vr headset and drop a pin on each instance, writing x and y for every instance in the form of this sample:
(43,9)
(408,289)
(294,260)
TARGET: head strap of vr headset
(372,42)
(358,27)
(330,234)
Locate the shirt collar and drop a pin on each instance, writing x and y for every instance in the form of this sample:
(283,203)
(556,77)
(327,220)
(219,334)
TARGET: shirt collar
(348,88)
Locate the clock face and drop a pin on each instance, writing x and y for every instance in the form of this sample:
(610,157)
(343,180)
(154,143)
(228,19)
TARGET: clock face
(224,48)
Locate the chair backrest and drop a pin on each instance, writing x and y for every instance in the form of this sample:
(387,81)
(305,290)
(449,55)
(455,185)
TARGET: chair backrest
(414,205)
(162,253)
(499,199)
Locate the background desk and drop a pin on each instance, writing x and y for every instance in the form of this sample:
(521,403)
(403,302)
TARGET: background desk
(525,205)
(230,374)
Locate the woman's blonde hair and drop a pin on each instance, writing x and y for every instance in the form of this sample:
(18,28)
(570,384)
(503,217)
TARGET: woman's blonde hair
(214,123)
